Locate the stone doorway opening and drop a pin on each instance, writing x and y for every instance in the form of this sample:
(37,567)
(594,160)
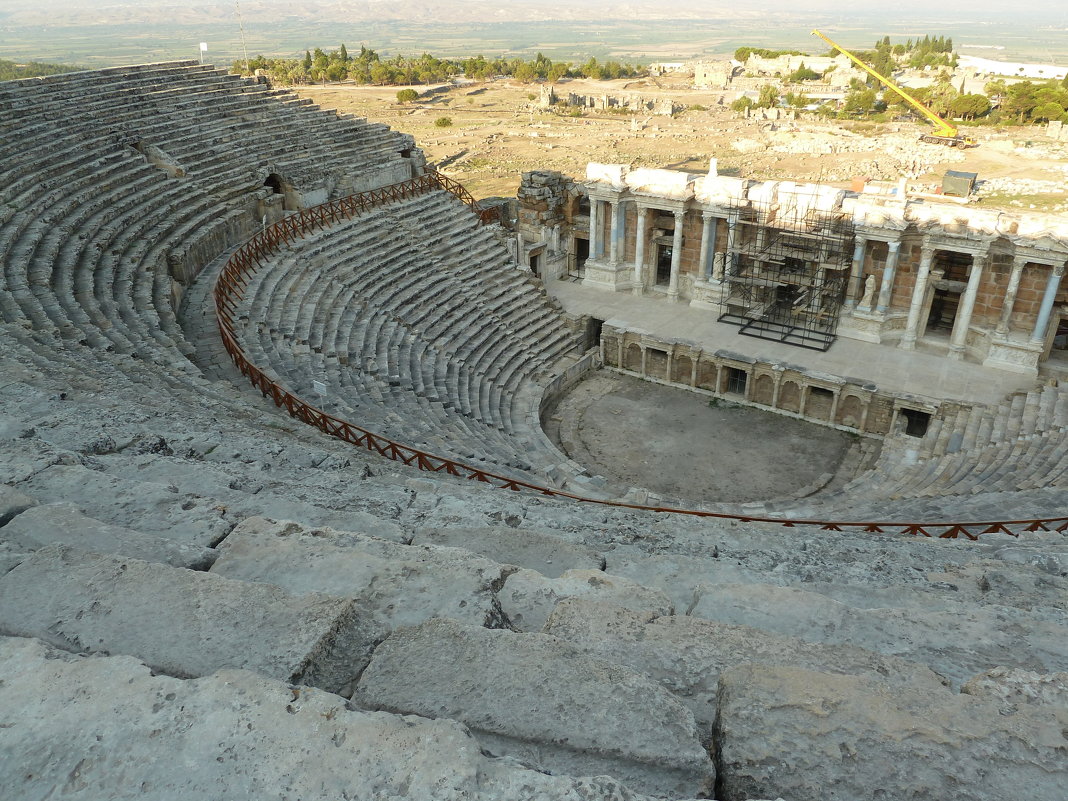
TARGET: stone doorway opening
(943,313)
(663,265)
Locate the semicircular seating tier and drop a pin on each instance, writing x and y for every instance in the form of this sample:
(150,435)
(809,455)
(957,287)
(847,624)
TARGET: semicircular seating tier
(419,326)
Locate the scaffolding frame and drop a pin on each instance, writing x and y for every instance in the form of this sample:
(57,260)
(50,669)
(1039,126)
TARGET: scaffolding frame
(787,273)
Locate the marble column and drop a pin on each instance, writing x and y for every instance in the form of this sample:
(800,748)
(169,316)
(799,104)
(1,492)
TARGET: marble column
(708,245)
(958,339)
(1038,336)
(919,292)
(676,256)
(638,284)
(1018,264)
(889,273)
(855,273)
(613,241)
(596,245)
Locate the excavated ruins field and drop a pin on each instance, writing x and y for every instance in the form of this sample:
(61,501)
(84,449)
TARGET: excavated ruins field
(498,132)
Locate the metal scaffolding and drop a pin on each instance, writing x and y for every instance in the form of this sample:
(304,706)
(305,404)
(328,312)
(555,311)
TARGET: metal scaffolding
(787,273)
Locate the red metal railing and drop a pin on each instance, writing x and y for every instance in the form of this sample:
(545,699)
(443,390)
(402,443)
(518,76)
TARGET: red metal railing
(229,289)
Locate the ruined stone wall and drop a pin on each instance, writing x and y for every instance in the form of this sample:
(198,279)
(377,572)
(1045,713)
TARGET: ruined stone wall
(778,387)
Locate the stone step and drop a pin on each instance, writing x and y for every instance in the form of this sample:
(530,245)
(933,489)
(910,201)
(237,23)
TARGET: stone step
(544,702)
(93,603)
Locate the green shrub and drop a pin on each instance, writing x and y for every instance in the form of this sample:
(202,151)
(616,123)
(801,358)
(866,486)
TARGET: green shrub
(407,96)
(443,122)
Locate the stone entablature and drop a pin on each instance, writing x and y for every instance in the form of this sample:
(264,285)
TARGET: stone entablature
(977,283)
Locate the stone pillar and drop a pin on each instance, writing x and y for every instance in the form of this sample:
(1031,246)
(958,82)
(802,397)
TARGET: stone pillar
(708,245)
(889,272)
(596,245)
(919,292)
(958,339)
(1038,336)
(728,260)
(855,273)
(1018,264)
(676,256)
(639,252)
(613,242)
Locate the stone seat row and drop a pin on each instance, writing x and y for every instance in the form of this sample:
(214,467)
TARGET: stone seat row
(365,344)
(420,355)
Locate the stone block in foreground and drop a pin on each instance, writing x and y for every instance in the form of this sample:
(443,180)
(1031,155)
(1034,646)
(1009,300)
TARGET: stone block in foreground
(183,622)
(544,702)
(12,503)
(59,523)
(686,655)
(810,736)
(105,727)
(401,584)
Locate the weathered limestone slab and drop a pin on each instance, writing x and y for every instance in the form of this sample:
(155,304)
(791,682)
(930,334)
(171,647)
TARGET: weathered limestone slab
(532,549)
(12,503)
(812,737)
(143,506)
(62,524)
(528,598)
(543,701)
(686,655)
(1013,688)
(105,727)
(183,622)
(677,575)
(957,644)
(402,584)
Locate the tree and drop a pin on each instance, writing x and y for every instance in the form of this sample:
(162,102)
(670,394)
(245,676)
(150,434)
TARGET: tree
(343,54)
(769,96)
(525,73)
(407,96)
(443,122)
(743,103)
(802,73)
(307,60)
(969,106)
(557,71)
(1050,112)
(862,102)
(1020,100)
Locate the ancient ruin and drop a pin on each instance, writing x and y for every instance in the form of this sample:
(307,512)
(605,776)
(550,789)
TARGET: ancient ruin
(279,517)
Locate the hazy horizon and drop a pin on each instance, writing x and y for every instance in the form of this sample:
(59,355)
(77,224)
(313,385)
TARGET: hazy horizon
(107,32)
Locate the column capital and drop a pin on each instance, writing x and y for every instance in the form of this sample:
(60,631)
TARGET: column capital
(679,214)
(708,216)
(1058,270)
(894,245)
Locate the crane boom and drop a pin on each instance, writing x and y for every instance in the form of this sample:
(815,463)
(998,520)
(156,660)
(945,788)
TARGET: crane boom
(945,133)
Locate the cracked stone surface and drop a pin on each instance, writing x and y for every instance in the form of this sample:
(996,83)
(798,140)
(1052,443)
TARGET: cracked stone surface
(183,622)
(63,524)
(528,598)
(106,727)
(686,655)
(401,585)
(816,737)
(542,701)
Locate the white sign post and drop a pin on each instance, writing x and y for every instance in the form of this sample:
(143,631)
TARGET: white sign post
(203,51)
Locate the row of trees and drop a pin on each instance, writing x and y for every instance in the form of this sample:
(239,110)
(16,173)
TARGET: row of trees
(1021,102)
(367,67)
(9,70)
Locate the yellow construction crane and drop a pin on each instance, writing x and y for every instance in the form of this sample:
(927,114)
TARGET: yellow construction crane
(945,132)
